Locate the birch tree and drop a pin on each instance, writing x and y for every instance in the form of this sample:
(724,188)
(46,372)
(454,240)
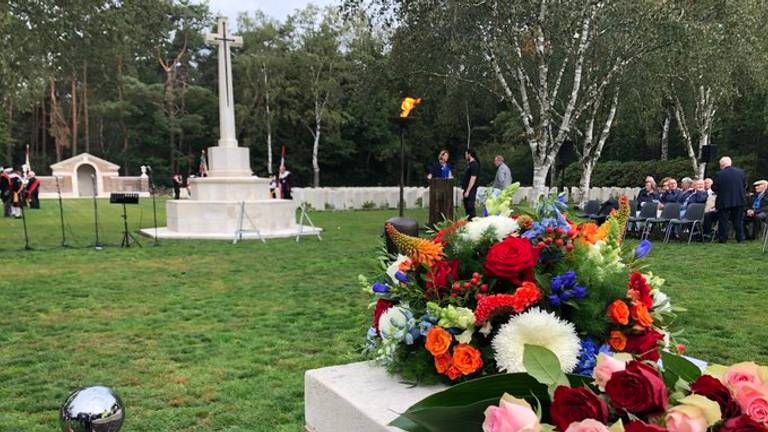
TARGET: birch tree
(317,60)
(719,43)
(535,55)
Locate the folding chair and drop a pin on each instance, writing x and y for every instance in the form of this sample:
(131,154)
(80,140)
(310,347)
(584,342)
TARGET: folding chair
(602,214)
(590,207)
(694,217)
(647,210)
(765,237)
(670,211)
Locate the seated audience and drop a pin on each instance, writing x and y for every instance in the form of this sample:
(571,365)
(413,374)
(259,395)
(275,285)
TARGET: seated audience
(708,186)
(648,193)
(686,185)
(757,212)
(672,194)
(696,195)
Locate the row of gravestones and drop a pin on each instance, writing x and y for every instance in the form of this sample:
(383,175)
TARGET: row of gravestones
(366,198)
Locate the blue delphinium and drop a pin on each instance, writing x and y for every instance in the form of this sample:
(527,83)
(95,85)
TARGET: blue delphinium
(380,288)
(588,356)
(402,277)
(426,322)
(643,249)
(564,288)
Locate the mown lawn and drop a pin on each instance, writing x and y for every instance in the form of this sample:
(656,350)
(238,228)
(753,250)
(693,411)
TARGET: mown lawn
(213,336)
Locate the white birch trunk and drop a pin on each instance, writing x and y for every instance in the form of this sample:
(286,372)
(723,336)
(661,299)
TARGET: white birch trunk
(316,145)
(665,135)
(269,119)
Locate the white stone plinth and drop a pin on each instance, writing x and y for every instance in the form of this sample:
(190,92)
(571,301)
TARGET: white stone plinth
(229,162)
(229,188)
(357,397)
(192,216)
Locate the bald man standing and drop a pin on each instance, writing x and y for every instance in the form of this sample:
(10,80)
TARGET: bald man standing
(730,185)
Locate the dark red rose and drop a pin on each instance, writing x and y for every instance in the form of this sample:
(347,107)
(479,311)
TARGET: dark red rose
(576,404)
(441,271)
(638,390)
(712,389)
(512,260)
(381,306)
(742,424)
(645,345)
(638,426)
(642,290)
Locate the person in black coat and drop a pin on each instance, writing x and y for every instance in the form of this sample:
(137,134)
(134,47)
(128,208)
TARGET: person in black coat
(672,194)
(757,212)
(730,185)
(469,184)
(647,194)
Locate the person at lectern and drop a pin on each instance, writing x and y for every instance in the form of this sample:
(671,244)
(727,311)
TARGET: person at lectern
(441,169)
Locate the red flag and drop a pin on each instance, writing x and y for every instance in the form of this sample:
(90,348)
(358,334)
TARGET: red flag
(282,158)
(203,169)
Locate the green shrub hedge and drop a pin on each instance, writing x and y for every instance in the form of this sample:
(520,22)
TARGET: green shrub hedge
(633,173)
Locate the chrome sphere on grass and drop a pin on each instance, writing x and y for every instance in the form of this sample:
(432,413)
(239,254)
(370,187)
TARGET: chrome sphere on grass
(92,409)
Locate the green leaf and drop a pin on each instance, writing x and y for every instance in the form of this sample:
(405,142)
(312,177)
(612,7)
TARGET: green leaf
(406,424)
(543,365)
(679,366)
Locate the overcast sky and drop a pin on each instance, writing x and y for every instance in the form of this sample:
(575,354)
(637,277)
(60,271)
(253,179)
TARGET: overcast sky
(275,8)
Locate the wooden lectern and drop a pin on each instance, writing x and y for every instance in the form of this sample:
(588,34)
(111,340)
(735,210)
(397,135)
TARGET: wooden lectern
(440,200)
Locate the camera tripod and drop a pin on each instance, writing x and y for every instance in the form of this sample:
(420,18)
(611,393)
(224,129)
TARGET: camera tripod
(127,236)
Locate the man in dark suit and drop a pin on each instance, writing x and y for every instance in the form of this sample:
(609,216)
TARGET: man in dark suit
(730,186)
(672,194)
(757,212)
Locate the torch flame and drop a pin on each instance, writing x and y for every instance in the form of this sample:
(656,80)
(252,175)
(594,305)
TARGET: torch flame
(408,104)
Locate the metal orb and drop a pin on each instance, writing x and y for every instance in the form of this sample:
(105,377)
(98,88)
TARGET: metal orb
(92,409)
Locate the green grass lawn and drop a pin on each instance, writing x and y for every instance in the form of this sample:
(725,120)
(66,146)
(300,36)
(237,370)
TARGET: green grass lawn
(213,336)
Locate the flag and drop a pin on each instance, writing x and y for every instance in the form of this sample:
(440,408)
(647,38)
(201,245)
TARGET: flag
(282,158)
(203,169)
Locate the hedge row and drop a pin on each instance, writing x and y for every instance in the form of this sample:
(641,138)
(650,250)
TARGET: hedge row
(633,173)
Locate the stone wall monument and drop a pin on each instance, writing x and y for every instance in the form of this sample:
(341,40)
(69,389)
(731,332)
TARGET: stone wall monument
(214,210)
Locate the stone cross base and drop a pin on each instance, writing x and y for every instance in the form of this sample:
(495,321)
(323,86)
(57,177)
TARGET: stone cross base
(357,397)
(229,162)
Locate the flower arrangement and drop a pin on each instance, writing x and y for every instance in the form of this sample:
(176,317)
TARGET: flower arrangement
(465,303)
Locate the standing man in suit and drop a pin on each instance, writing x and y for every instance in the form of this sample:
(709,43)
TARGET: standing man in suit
(470,182)
(757,213)
(730,185)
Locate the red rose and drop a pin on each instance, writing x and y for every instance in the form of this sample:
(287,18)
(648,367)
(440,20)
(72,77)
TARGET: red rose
(638,390)
(640,290)
(645,345)
(576,404)
(512,260)
(381,306)
(638,426)
(712,389)
(441,271)
(742,424)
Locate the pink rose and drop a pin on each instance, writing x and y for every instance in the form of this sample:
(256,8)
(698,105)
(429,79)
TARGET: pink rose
(680,422)
(747,372)
(606,366)
(512,415)
(753,400)
(587,425)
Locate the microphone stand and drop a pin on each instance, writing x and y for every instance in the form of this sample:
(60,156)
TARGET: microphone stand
(24,222)
(98,244)
(61,215)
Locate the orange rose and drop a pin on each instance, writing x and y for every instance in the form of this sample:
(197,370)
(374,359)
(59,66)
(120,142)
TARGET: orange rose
(618,312)
(617,341)
(467,359)
(453,373)
(641,315)
(442,363)
(438,341)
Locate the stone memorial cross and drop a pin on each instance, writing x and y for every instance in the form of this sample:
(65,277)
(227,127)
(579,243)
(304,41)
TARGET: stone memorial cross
(225,41)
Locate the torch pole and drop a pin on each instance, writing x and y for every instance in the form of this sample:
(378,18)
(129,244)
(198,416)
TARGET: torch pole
(401,205)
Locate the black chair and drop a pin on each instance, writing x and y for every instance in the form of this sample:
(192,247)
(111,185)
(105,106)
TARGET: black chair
(601,215)
(591,207)
(694,218)
(647,211)
(671,211)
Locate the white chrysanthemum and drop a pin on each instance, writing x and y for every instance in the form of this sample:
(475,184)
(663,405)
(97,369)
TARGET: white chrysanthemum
(503,228)
(535,327)
(395,267)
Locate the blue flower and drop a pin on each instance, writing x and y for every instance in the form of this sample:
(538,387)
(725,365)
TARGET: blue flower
(566,295)
(380,288)
(580,291)
(371,338)
(587,357)
(554,299)
(402,277)
(485,212)
(643,249)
